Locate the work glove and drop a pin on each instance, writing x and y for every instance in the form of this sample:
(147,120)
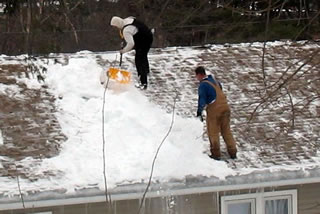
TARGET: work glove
(122,45)
(199,115)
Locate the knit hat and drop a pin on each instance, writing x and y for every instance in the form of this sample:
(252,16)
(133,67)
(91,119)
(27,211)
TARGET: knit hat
(117,22)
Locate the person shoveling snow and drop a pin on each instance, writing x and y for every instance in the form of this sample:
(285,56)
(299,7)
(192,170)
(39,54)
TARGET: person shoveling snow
(137,36)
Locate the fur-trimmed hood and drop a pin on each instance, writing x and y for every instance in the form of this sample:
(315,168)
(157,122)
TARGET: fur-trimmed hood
(117,22)
(120,22)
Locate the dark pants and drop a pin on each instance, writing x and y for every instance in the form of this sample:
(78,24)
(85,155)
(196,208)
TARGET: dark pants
(142,63)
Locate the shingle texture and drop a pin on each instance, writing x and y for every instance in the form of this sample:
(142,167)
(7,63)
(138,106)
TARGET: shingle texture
(275,110)
(27,122)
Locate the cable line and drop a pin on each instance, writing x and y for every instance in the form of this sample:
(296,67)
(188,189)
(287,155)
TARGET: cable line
(108,197)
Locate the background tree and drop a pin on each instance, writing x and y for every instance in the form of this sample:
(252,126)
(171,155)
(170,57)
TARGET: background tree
(44,26)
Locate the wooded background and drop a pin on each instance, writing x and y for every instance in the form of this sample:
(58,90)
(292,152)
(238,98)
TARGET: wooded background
(46,26)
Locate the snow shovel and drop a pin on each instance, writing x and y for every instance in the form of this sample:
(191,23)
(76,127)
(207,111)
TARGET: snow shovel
(118,74)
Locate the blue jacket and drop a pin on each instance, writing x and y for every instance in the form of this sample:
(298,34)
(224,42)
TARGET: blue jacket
(207,94)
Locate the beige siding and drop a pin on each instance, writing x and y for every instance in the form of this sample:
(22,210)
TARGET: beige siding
(119,207)
(156,205)
(125,206)
(205,203)
(309,199)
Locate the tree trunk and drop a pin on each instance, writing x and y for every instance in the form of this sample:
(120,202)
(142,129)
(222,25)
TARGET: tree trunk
(28,28)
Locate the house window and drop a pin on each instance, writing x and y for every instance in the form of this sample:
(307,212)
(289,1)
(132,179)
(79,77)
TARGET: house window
(284,202)
(241,207)
(279,202)
(276,206)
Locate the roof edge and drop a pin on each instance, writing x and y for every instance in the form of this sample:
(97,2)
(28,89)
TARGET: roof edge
(156,192)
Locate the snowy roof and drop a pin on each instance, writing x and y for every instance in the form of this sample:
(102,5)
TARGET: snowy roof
(51,120)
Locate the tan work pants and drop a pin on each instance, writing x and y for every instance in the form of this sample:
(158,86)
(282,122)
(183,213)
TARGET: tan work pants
(218,121)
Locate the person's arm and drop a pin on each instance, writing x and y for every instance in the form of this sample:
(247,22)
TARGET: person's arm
(128,33)
(202,99)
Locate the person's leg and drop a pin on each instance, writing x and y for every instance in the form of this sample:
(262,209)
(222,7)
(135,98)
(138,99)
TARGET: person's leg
(138,61)
(213,134)
(227,135)
(144,66)
(142,62)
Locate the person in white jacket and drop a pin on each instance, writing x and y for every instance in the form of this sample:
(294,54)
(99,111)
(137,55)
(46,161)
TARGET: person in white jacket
(139,37)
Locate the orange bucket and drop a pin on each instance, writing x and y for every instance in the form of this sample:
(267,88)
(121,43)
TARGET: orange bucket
(119,75)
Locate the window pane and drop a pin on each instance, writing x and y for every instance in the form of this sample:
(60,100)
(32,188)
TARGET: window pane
(276,206)
(240,208)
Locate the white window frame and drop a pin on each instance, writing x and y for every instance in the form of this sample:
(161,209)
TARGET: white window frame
(258,200)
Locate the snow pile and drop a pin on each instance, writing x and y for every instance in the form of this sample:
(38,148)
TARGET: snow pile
(134,128)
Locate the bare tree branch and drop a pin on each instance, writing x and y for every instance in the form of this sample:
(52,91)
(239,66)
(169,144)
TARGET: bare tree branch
(283,84)
(191,14)
(292,108)
(304,28)
(264,43)
(73,28)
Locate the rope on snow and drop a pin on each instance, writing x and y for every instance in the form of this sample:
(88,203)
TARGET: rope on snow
(108,196)
(20,193)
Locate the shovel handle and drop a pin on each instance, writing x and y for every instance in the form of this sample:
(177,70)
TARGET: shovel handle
(120,59)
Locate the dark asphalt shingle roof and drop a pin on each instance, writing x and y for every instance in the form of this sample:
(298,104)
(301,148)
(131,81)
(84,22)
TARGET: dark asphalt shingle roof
(285,128)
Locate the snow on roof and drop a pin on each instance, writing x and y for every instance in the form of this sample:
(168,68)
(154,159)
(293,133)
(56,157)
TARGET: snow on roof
(52,137)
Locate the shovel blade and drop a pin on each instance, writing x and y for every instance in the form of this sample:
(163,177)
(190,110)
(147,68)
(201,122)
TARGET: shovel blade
(119,75)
